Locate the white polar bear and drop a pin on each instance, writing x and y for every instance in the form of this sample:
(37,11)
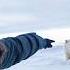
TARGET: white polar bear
(67,49)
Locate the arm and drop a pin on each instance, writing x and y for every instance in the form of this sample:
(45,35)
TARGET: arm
(15,49)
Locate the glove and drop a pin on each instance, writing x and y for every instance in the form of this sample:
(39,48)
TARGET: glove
(48,43)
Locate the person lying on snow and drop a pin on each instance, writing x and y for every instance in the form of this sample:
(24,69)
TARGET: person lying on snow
(15,49)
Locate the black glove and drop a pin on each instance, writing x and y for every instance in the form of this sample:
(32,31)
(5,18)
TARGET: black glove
(48,43)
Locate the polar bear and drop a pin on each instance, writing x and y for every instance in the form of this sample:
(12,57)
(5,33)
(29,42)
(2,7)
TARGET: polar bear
(67,49)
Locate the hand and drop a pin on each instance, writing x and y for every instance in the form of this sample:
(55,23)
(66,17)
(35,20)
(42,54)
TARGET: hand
(48,43)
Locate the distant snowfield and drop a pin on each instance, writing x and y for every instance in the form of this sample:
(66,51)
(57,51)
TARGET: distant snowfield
(46,59)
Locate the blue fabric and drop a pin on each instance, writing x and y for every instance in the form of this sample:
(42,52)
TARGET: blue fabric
(22,47)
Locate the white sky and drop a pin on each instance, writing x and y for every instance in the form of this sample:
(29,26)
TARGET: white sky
(31,15)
